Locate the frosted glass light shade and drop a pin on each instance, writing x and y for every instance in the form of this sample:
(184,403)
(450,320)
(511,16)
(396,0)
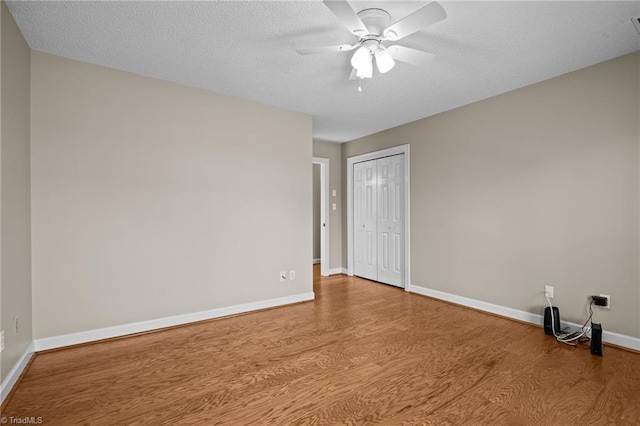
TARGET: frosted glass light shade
(384,61)
(366,71)
(361,58)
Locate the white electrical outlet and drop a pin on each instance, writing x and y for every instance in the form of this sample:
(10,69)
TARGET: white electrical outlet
(283,275)
(1,340)
(292,275)
(608,301)
(548,291)
(16,324)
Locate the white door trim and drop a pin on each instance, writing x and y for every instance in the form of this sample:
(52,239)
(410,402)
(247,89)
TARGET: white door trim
(401,149)
(324,214)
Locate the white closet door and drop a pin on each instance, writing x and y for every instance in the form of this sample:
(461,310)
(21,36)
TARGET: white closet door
(391,220)
(378,188)
(365,219)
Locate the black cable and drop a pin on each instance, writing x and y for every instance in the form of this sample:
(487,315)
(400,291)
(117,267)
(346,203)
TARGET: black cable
(578,339)
(573,341)
(590,316)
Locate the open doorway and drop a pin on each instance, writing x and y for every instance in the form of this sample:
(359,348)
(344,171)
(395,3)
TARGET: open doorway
(321,214)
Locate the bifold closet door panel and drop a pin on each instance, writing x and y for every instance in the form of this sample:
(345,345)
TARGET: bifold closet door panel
(390,215)
(365,219)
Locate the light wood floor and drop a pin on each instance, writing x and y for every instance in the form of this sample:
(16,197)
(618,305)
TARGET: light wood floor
(361,353)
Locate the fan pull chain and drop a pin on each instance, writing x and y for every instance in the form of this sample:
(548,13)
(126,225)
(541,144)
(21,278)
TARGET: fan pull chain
(360,85)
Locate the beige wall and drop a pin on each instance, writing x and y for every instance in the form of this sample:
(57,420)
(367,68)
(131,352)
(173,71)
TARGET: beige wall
(15,280)
(152,199)
(332,151)
(536,186)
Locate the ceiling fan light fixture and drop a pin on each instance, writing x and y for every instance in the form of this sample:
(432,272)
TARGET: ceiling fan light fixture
(365,71)
(372,28)
(361,58)
(384,61)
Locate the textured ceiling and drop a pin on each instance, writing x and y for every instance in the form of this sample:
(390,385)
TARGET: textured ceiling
(247,49)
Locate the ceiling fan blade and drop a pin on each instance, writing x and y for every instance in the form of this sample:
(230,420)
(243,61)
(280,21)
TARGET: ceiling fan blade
(411,56)
(418,20)
(325,49)
(347,16)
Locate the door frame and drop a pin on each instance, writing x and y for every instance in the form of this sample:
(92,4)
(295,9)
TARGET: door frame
(400,149)
(324,214)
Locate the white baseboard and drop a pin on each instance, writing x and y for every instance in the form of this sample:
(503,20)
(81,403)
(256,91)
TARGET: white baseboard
(316,261)
(12,378)
(607,336)
(142,326)
(621,340)
(336,271)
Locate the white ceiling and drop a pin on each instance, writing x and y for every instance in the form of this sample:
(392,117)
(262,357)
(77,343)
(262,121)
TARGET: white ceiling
(247,49)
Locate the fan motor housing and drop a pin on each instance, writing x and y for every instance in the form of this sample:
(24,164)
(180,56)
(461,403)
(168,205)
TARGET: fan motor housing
(376,20)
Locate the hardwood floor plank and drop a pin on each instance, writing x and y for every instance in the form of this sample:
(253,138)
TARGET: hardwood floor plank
(361,353)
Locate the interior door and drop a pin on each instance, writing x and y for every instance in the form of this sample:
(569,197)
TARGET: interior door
(378,188)
(365,219)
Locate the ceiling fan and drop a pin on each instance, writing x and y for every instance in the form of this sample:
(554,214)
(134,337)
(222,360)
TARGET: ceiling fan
(372,27)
